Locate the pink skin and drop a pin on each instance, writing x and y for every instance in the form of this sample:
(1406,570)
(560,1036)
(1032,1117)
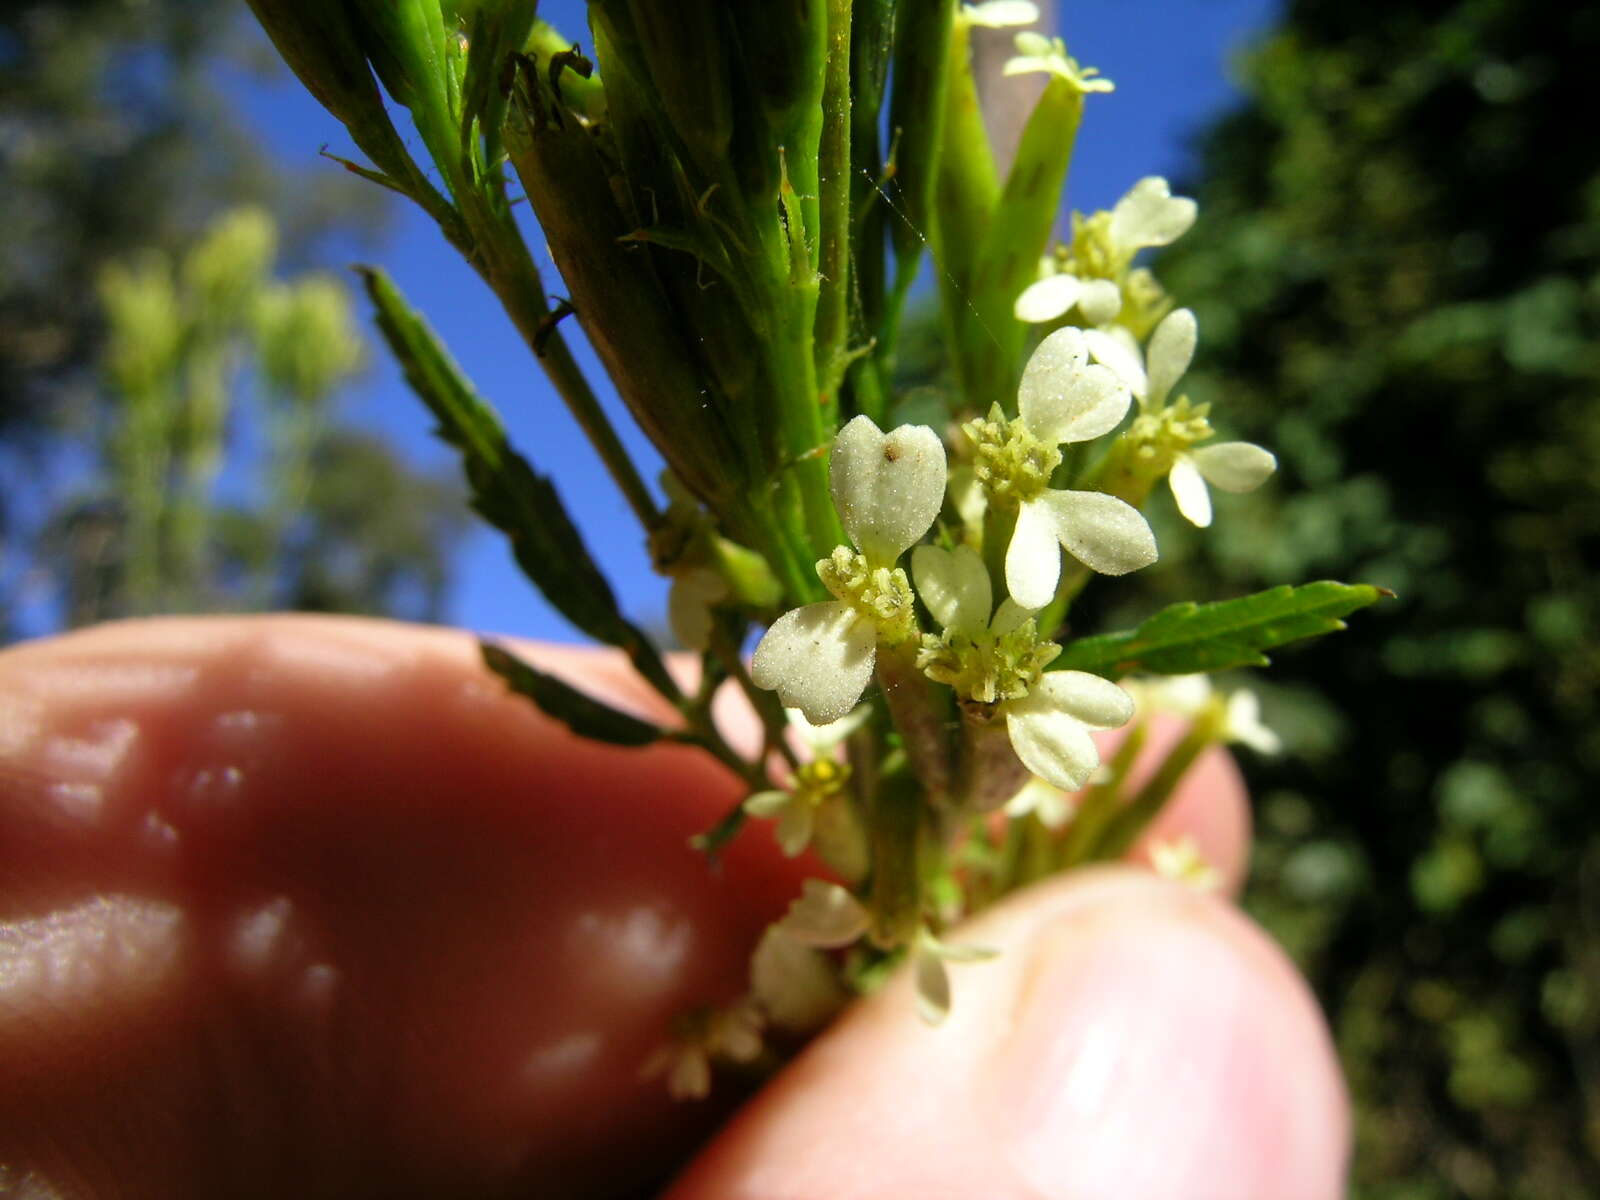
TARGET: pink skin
(303,906)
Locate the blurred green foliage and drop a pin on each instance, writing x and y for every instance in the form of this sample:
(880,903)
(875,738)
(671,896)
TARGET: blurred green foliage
(220,480)
(125,328)
(1397,276)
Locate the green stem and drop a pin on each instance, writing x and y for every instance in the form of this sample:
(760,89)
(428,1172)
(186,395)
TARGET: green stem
(1100,802)
(919,714)
(501,257)
(833,181)
(1124,828)
(896,834)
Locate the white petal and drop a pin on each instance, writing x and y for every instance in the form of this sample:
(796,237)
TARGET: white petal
(1170,353)
(1033,564)
(1047,299)
(955,587)
(1100,302)
(794,829)
(767,804)
(793,983)
(1235,466)
(957,952)
(1182,695)
(823,738)
(1065,398)
(967,497)
(1087,698)
(1244,724)
(1189,490)
(825,915)
(818,659)
(689,601)
(1104,533)
(887,486)
(1009,616)
(933,986)
(1045,801)
(1117,349)
(1150,215)
(1001,14)
(1052,744)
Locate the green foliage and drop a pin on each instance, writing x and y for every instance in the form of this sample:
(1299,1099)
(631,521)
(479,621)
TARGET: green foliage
(1190,638)
(507,492)
(1396,272)
(153,531)
(584,715)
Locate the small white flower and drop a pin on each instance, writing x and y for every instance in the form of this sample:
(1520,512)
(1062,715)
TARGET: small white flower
(887,488)
(1035,52)
(1048,717)
(1242,723)
(731,1034)
(1001,14)
(1064,399)
(1147,215)
(811,792)
(1231,466)
(1238,718)
(1053,807)
(1180,859)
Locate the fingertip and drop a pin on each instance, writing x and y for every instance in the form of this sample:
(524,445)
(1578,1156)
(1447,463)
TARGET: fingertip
(1135,1039)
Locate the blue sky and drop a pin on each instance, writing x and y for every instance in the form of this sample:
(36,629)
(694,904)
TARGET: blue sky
(1168,58)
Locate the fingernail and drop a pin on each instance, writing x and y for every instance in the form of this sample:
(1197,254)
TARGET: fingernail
(1158,1053)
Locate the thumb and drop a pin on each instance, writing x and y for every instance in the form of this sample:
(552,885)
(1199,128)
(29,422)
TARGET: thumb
(1135,1039)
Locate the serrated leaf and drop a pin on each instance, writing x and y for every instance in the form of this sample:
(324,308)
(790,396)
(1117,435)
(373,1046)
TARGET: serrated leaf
(583,714)
(1189,638)
(506,490)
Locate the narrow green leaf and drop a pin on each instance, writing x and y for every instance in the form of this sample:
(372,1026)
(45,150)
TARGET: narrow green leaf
(1189,637)
(507,491)
(584,715)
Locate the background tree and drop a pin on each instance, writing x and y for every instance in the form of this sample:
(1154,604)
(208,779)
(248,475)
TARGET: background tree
(1397,275)
(114,141)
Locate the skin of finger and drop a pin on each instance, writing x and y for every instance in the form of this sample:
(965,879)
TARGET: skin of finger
(311,906)
(1134,1039)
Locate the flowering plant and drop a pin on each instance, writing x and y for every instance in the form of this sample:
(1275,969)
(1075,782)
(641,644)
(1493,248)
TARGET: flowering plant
(739,240)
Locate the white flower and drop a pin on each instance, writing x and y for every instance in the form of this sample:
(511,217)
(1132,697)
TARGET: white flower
(1241,723)
(1148,215)
(1035,52)
(1064,399)
(1050,804)
(1048,714)
(1231,466)
(825,916)
(1001,14)
(887,488)
(1180,859)
(731,1034)
(1238,719)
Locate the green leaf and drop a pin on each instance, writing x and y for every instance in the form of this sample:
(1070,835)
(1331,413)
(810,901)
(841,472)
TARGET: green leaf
(584,715)
(507,491)
(1188,638)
